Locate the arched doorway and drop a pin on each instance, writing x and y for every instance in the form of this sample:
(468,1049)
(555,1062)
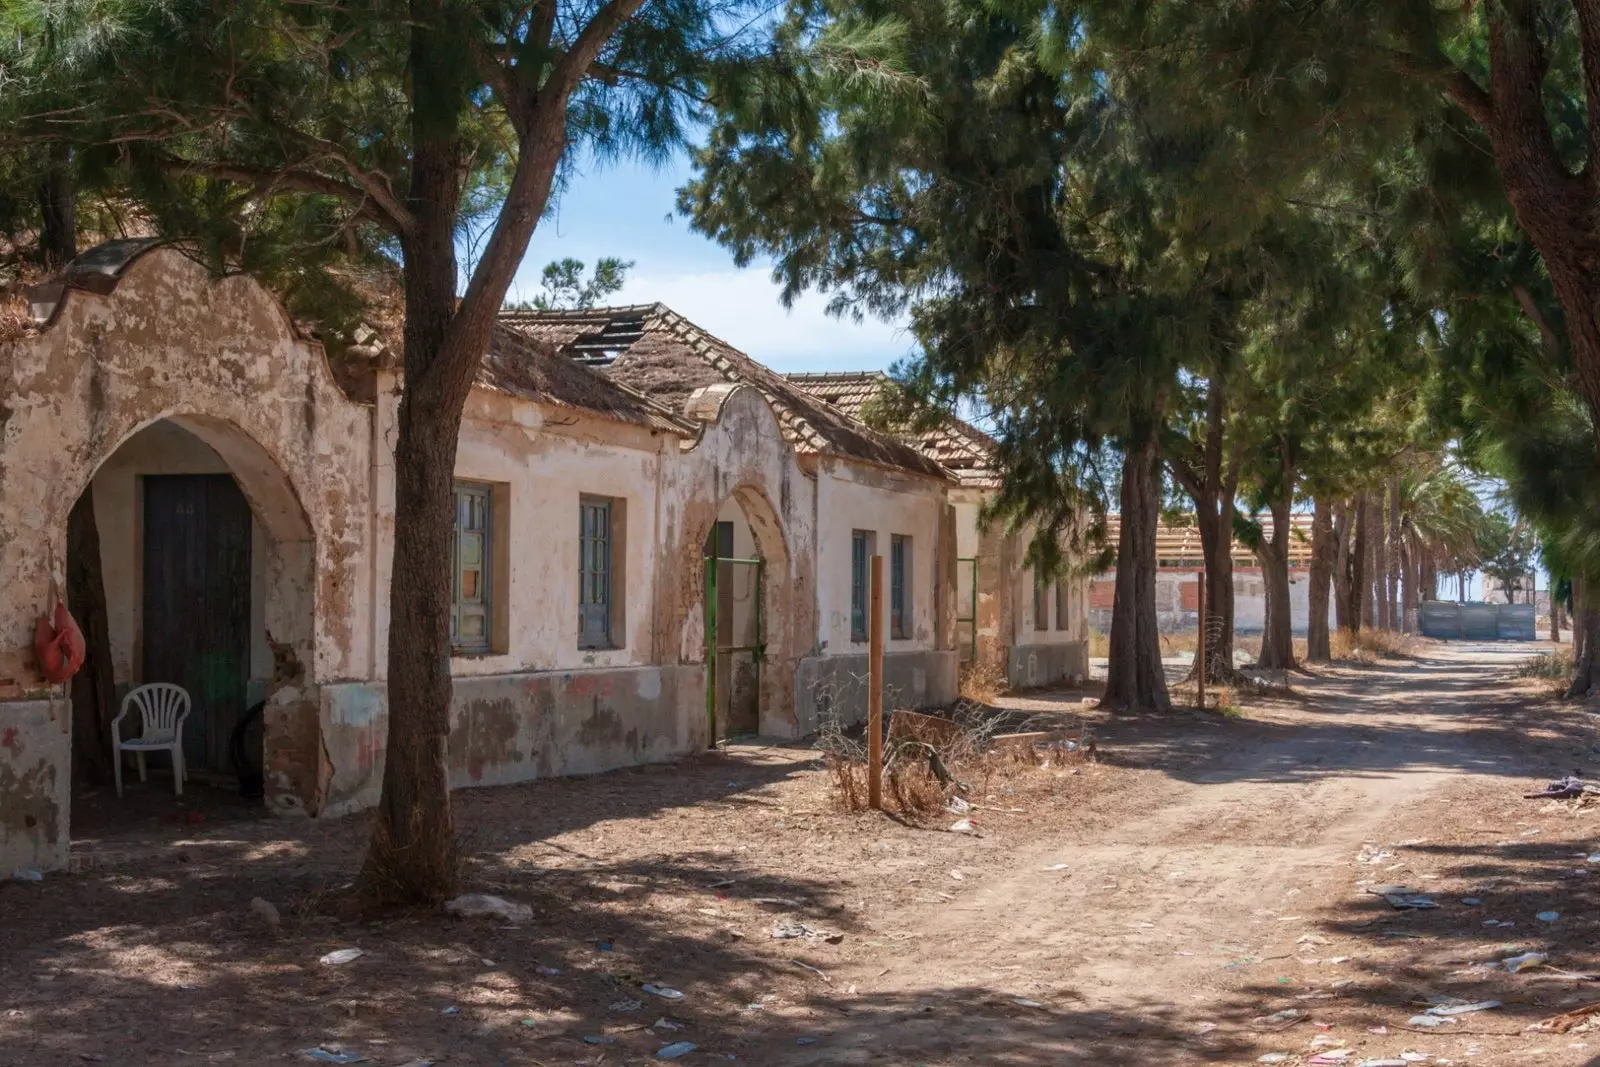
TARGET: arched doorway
(205,579)
(746,598)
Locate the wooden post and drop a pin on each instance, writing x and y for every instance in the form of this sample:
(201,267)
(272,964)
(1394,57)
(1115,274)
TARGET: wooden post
(875,685)
(1200,649)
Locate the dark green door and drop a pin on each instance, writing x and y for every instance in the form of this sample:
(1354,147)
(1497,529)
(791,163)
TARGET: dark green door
(197,603)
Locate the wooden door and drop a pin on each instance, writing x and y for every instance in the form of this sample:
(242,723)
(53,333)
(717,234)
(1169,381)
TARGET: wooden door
(196,628)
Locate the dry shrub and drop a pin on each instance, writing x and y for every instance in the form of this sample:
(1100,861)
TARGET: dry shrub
(1555,666)
(1099,644)
(982,682)
(915,792)
(849,781)
(1371,645)
(928,759)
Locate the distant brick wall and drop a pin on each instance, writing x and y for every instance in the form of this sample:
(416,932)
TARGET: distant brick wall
(1189,595)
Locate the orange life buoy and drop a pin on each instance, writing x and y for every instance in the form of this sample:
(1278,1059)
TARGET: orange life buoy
(59,644)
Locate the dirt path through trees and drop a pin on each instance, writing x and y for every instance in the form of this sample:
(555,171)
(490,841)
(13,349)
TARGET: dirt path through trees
(1167,932)
(1154,907)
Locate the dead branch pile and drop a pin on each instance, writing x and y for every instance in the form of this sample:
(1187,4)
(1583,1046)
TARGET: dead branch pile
(930,760)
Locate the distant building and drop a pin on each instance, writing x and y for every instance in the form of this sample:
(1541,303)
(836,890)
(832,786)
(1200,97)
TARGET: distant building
(1179,561)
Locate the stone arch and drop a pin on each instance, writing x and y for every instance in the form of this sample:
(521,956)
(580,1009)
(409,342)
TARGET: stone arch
(776,696)
(166,340)
(287,594)
(742,455)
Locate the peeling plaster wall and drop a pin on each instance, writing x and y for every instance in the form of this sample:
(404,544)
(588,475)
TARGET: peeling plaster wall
(546,459)
(919,670)
(855,496)
(741,456)
(837,686)
(35,785)
(220,359)
(510,728)
(1007,634)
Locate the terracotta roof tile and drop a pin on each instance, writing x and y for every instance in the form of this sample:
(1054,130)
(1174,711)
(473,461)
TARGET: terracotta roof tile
(664,356)
(533,370)
(962,448)
(1180,545)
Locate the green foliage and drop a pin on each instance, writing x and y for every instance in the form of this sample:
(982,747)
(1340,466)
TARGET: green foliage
(565,287)
(1506,551)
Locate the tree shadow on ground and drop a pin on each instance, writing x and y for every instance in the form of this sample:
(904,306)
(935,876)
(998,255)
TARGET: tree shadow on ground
(157,964)
(1389,966)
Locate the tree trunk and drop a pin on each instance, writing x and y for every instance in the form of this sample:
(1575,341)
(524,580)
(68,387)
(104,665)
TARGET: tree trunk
(1134,678)
(1580,598)
(1213,485)
(58,236)
(412,857)
(94,694)
(1409,569)
(1343,594)
(1555,616)
(1277,638)
(1585,639)
(1380,565)
(412,854)
(1218,625)
(1428,582)
(1324,553)
(1360,588)
(1392,584)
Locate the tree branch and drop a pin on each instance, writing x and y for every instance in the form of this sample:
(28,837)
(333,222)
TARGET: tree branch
(571,67)
(1454,83)
(266,178)
(1547,334)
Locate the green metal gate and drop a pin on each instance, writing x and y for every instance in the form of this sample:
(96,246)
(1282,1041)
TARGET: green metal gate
(723,568)
(971,617)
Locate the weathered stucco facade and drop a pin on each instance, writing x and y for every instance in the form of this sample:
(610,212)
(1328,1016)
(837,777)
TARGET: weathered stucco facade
(148,372)
(219,360)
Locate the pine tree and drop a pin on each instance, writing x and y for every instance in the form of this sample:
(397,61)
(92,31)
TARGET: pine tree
(284,136)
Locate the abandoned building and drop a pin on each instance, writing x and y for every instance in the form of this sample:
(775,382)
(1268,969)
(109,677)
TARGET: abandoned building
(660,542)
(1180,561)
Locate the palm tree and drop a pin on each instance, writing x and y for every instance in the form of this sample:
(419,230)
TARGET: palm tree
(1440,519)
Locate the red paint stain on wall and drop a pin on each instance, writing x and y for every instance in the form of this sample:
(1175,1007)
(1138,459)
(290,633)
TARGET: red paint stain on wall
(8,739)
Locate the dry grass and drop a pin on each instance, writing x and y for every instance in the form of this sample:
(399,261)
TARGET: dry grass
(1369,645)
(1555,666)
(982,683)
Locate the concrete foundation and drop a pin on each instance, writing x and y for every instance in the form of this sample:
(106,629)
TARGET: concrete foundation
(1032,666)
(828,687)
(35,784)
(512,728)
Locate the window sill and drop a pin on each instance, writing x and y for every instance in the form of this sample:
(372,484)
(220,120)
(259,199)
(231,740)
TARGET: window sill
(601,648)
(473,653)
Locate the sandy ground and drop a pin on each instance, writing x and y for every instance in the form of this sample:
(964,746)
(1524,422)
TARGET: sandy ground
(1152,908)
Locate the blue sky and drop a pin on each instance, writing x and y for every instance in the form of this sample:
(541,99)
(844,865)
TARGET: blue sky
(625,209)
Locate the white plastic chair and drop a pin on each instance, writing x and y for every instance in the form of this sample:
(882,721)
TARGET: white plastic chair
(162,709)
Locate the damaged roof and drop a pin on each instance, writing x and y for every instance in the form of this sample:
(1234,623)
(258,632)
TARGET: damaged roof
(955,444)
(525,367)
(660,354)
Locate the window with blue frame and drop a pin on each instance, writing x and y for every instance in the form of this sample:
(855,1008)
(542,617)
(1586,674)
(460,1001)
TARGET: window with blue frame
(861,547)
(899,586)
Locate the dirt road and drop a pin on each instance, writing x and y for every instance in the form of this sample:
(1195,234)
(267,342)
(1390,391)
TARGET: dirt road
(1153,908)
(1235,890)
